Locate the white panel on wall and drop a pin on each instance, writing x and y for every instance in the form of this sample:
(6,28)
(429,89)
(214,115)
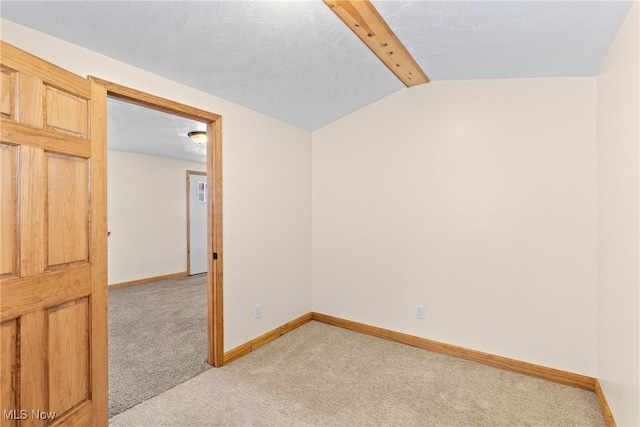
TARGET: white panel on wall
(475,199)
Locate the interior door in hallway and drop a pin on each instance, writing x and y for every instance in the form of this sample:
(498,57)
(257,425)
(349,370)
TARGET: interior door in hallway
(198,191)
(53,331)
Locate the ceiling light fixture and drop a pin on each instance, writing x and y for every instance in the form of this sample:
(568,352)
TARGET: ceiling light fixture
(198,136)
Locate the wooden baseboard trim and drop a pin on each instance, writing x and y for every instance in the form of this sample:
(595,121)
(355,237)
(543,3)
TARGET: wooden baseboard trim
(525,368)
(543,372)
(604,406)
(148,280)
(258,342)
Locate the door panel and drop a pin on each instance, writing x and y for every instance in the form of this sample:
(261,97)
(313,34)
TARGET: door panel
(65,112)
(8,93)
(53,239)
(8,163)
(8,368)
(68,349)
(30,89)
(67,198)
(31,210)
(31,360)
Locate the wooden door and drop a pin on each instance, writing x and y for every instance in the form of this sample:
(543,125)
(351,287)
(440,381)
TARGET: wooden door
(53,290)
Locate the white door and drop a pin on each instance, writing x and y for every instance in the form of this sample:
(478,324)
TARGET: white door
(197,223)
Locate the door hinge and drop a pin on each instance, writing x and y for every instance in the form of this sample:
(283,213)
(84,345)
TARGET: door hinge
(215,255)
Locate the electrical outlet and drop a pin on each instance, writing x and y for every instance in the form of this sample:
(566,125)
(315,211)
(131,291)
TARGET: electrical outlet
(419,311)
(257,311)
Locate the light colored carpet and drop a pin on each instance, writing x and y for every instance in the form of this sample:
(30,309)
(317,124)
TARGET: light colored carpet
(157,338)
(326,376)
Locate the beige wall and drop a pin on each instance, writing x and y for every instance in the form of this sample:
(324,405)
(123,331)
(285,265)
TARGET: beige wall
(266,200)
(619,223)
(476,199)
(147,215)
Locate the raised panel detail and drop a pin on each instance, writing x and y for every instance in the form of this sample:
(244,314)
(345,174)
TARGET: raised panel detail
(8,371)
(31,213)
(67,200)
(65,112)
(8,163)
(68,355)
(7,92)
(30,93)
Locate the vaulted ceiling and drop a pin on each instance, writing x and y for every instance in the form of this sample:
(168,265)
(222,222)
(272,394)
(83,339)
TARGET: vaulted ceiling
(298,62)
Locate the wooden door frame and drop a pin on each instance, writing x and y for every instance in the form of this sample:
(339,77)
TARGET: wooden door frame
(190,172)
(215,330)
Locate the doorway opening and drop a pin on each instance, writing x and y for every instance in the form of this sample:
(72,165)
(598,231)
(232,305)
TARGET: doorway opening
(213,272)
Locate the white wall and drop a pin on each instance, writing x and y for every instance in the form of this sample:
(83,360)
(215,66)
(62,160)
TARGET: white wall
(618,138)
(266,190)
(476,199)
(147,204)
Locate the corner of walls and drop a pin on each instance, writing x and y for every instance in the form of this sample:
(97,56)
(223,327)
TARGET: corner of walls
(618,140)
(148,220)
(475,199)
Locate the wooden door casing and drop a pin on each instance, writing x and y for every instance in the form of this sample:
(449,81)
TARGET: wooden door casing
(53,237)
(215,271)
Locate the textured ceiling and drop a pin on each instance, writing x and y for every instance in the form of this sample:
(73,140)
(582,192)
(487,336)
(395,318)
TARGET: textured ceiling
(505,39)
(145,131)
(296,61)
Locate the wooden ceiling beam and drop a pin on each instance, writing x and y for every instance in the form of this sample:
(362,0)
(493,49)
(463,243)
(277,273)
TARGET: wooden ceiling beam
(366,22)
